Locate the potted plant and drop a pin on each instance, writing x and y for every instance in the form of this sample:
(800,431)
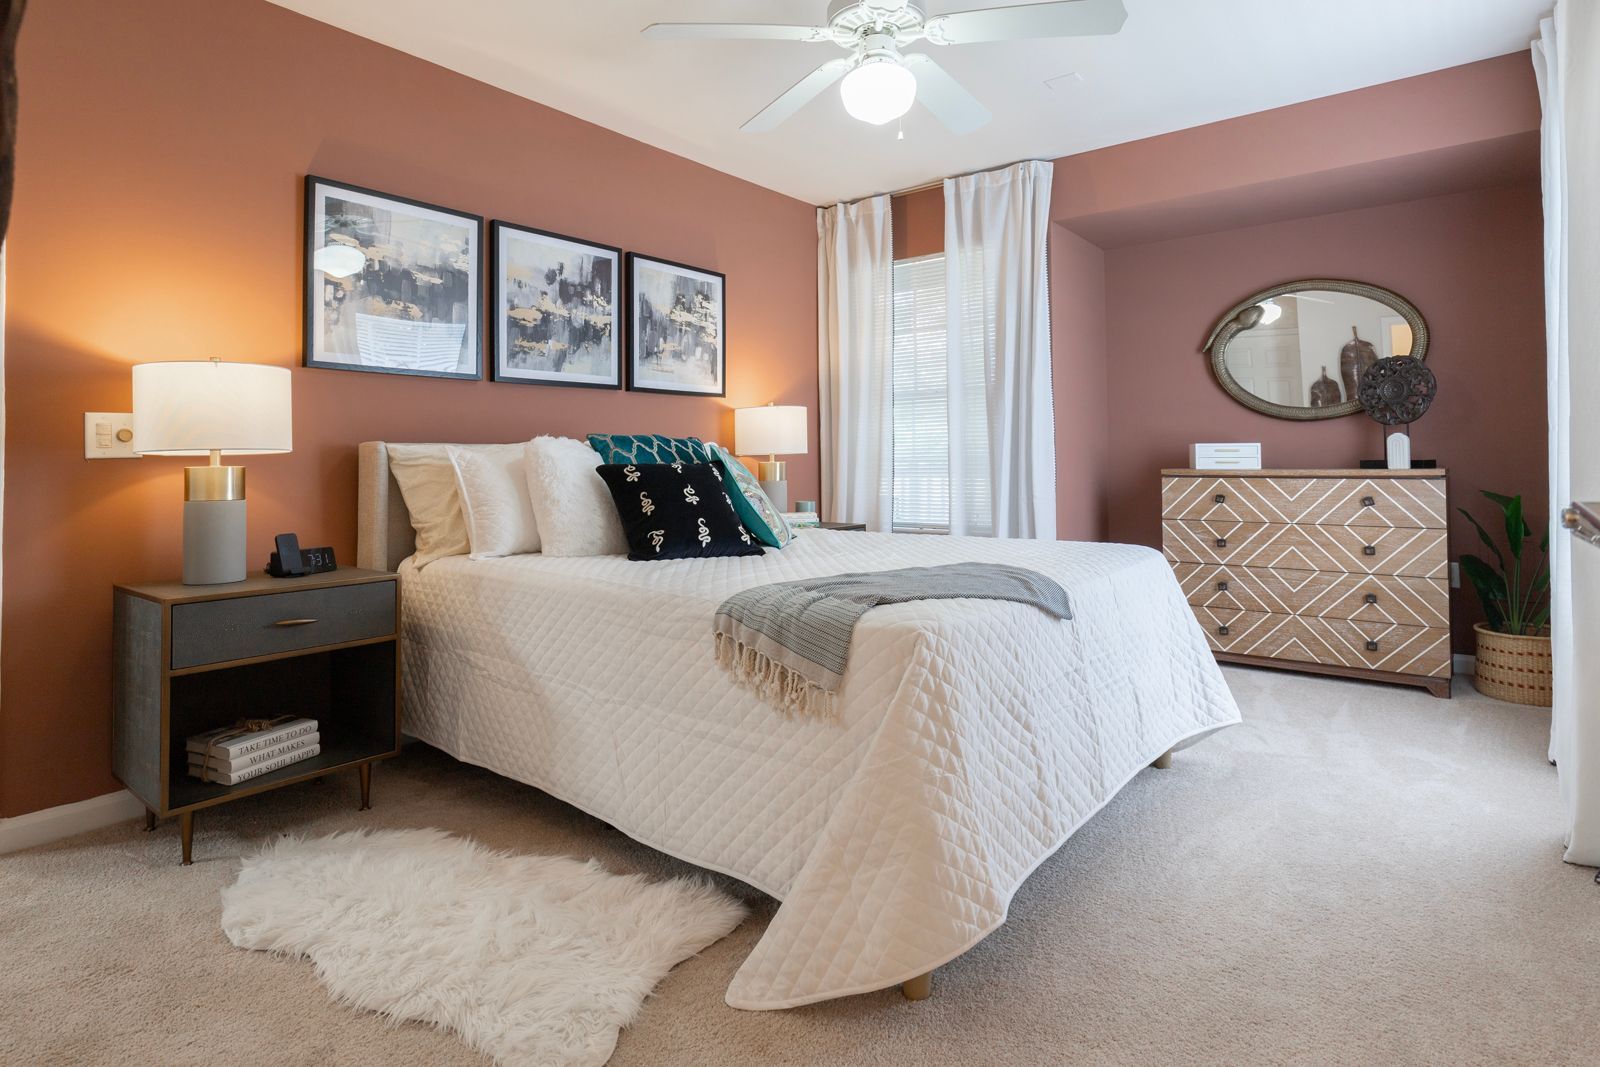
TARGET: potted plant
(1514,642)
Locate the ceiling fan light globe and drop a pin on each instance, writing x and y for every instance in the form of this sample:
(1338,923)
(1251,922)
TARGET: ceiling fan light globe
(880,90)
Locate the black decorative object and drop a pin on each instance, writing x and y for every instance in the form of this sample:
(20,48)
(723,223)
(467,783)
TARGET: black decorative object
(676,511)
(1354,359)
(1397,390)
(1325,391)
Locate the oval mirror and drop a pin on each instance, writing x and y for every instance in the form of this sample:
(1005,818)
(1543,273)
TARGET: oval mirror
(1297,350)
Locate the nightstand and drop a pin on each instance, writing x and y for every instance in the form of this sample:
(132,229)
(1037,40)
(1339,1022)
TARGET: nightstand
(841,526)
(190,658)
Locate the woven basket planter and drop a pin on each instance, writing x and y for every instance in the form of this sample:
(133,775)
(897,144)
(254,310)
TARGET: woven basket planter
(1513,667)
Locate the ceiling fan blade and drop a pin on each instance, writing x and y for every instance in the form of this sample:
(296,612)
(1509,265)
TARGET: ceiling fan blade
(732,31)
(798,96)
(941,94)
(1064,18)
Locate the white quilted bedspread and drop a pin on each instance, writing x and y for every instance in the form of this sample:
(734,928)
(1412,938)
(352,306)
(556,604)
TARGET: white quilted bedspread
(974,736)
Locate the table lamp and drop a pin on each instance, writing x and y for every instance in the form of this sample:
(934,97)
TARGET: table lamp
(776,430)
(208,408)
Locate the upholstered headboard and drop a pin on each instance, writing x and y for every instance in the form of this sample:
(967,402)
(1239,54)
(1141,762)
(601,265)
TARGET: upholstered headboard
(384,536)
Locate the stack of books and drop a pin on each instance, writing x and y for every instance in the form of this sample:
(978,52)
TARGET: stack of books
(799,520)
(238,757)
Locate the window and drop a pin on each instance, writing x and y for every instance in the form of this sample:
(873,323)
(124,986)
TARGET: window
(920,390)
(921,401)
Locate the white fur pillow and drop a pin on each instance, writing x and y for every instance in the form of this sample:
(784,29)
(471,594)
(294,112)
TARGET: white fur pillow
(571,505)
(427,481)
(494,499)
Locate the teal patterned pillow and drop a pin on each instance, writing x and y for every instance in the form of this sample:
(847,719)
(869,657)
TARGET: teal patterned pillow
(755,508)
(648,448)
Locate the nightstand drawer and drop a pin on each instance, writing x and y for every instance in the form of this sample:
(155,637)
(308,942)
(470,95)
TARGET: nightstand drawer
(215,631)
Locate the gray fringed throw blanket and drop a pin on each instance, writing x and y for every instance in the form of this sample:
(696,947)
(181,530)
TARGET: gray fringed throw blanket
(789,641)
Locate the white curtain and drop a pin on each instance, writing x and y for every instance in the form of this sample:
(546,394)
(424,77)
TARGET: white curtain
(1002,420)
(855,335)
(1567,60)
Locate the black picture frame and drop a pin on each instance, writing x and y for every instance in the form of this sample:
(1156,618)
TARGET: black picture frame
(356,340)
(502,237)
(646,277)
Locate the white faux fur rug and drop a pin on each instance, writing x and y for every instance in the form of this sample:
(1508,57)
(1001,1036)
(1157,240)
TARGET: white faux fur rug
(531,959)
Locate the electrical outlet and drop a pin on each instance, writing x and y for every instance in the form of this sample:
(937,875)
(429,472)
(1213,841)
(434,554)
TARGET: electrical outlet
(108,435)
(1455,576)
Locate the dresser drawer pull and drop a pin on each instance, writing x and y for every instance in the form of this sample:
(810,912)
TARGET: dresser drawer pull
(1372,598)
(1222,587)
(1222,631)
(1219,499)
(294,622)
(1368,502)
(1372,646)
(1369,550)
(1222,542)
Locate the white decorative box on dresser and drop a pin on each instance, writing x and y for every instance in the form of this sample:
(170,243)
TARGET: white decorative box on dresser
(1341,572)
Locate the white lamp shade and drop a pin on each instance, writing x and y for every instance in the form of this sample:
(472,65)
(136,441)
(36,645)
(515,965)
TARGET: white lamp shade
(774,430)
(878,91)
(193,408)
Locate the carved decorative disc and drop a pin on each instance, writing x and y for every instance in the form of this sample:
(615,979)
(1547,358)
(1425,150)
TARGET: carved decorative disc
(1397,390)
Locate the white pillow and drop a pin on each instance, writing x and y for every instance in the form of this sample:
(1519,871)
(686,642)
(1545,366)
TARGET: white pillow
(571,505)
(494,499)
(427,481)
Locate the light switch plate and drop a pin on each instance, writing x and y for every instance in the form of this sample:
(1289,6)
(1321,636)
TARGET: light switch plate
(108,435)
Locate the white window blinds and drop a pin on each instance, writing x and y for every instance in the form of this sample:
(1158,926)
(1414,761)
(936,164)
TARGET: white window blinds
(921,480)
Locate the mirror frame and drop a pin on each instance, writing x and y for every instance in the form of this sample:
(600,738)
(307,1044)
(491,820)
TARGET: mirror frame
(1230,326)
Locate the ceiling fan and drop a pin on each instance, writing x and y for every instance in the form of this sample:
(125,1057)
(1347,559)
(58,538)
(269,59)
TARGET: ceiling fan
(881,81)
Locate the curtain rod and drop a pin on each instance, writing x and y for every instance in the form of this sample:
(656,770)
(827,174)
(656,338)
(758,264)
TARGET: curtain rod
(939,182)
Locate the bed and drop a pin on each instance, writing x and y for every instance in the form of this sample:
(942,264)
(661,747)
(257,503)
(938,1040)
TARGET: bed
(973,737)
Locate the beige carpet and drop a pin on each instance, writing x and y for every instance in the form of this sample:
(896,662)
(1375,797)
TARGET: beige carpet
(1358,874)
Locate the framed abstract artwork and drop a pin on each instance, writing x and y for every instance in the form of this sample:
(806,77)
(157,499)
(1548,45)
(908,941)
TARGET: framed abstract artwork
(555,317)
(393,286)
(677,328)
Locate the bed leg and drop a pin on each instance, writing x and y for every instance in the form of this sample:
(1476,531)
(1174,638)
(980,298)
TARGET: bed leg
(918,988)
(1163,761)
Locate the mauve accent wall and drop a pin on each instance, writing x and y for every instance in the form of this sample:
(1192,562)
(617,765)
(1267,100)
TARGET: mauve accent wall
(158,216)
(1471,262)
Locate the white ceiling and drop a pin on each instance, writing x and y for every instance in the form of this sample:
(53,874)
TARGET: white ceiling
(1176,64)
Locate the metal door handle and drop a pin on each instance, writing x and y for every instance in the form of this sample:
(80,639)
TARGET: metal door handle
(294,622)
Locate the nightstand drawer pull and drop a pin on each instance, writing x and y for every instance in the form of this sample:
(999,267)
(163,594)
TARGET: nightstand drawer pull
(1222,631)
(1222,542)
(1369,550)
(294,622)
(1222,587)
(1368,502)
(1372,598)
(1220,498)
(1372,646)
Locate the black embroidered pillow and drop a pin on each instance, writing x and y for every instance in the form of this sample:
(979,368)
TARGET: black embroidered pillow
(676,511)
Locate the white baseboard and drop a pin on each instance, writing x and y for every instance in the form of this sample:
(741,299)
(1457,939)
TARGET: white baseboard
(52,824)
(1465,664)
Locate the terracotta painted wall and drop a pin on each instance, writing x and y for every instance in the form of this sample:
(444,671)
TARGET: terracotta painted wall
(1471,262)
(158,216)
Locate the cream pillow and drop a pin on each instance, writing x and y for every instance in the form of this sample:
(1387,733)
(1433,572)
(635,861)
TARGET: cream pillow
(427,481)
(494,500)
(571,505)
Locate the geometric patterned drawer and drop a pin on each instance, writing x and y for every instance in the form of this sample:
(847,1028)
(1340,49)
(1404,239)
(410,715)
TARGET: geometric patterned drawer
(1418,503)
(1394,598)
(1374,645)
(1341,549)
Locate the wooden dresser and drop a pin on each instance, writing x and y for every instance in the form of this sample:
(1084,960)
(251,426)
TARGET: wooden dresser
(1342,572)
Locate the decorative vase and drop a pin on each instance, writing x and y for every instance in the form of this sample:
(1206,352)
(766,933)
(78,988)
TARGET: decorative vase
(1324,391)
(1354,359)
(1513,667)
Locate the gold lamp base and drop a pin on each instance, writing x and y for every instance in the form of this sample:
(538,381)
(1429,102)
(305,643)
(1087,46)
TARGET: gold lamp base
(213,483)
(773,470)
